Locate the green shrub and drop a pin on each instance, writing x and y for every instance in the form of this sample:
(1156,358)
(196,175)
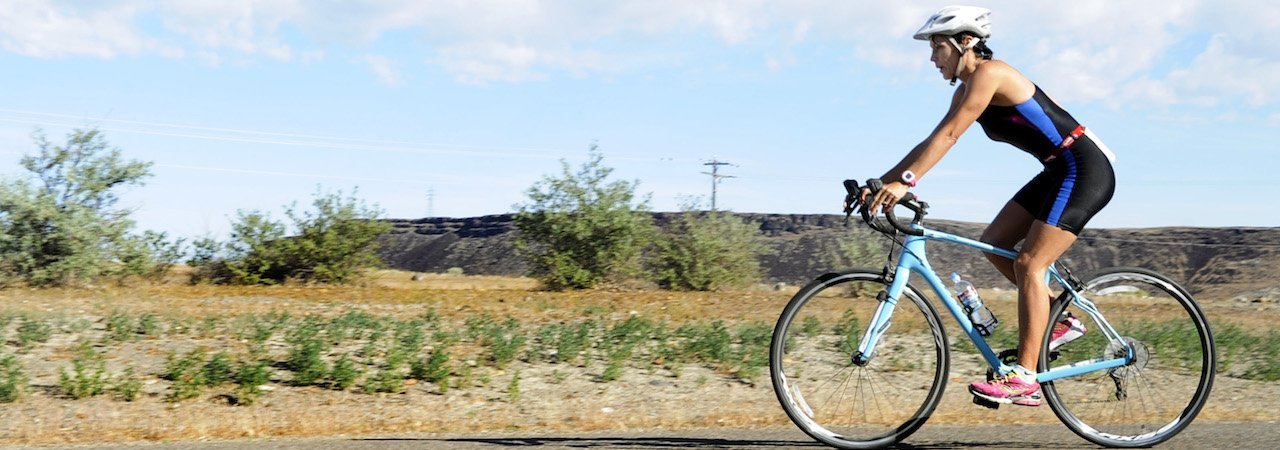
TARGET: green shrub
(579,229)
(344,373)
(436,368)
(706,342)
(410,337)
(504,341)
(250,376)
(218,369)
(810,326)
(333,243)
(305,354)
(613,369)
(573,340)
(127,387)
(13,383)
(385,380)
(513,388)
(855,247)
(560,342)
(60,224)
(753,350)
(119,326)
(33,331)
(186,373)
(704,251)
(148,325)
(1265,365)
(88,375)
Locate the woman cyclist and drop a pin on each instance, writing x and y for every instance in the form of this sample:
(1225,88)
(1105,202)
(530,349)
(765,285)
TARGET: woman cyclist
(1047,214)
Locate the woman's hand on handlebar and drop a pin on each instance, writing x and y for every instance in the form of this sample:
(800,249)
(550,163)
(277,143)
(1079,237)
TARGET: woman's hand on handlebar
(885,198)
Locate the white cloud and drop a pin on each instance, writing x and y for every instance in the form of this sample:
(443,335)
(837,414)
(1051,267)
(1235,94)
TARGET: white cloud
(481,63)
(1149,51)
(39,29)
(385,69)
(242,27)
(486,62)
(1220,75)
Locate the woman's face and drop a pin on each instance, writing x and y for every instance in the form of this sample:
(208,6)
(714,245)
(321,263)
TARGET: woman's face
(944,55)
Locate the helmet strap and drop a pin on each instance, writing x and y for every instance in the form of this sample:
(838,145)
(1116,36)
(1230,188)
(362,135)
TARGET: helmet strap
(960,59)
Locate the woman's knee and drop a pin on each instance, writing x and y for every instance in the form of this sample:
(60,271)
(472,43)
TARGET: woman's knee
(1028,265)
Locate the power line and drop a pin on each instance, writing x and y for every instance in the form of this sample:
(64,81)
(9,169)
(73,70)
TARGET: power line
(291,139)
(288,174)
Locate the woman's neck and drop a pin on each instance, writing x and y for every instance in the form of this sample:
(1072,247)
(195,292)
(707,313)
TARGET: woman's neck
(969,68)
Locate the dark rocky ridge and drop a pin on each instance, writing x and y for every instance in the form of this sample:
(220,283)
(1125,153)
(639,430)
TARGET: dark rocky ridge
(1219,261)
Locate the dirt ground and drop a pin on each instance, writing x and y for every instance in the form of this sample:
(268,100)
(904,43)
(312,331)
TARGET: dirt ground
(552,397)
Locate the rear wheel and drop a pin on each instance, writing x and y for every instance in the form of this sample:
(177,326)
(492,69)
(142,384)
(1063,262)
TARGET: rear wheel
(1161,390)
(834,395)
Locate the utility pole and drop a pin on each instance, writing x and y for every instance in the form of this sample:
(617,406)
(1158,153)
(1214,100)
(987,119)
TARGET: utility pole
(716,177)
(431,201)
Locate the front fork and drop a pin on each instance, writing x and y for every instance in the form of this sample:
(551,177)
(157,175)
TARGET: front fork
(887,301)
(866,347)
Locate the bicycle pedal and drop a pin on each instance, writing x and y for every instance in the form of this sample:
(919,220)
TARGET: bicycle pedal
(985,403)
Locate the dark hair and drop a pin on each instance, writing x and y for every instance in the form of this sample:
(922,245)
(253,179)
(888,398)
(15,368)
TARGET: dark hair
(980,48)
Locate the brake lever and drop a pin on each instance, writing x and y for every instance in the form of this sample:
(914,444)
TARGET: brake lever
(851,200)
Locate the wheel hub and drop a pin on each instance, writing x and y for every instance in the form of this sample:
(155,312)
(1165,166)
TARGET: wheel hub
(1141,356)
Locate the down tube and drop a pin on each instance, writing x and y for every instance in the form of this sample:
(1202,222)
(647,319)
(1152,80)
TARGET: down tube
(921,266)
(958,313)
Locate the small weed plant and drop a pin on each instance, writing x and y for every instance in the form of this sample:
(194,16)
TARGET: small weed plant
(127,386)
(344,373)
(33,331)
(186,374)
(13,382)
(88,376)
(250,376)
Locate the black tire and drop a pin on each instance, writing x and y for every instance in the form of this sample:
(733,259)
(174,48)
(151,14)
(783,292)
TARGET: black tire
(1162,390)
(811,362)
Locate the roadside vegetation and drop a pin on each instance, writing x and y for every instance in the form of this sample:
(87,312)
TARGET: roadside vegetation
(60,226)
(59,220)
(334,242)
(234,357)
(239,358)
(581,229)
(93,310)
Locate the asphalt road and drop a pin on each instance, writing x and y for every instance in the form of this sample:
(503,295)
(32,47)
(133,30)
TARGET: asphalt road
(1235,436)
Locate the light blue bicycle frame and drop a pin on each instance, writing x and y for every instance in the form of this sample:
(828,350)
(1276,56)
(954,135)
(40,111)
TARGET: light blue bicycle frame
(912,259)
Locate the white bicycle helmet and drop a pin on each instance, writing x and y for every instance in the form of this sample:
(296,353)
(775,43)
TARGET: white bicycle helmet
(953,20)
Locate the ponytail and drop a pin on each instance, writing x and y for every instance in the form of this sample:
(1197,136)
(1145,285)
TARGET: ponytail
(980,48)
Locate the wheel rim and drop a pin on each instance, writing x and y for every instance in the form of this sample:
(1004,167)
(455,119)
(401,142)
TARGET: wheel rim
(845,404)
(1168,380)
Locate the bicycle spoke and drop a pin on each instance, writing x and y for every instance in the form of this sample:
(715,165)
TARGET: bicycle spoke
(850,405)
(1156,394)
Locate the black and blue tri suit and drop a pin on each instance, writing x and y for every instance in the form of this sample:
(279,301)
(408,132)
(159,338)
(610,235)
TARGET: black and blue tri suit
(1077,180)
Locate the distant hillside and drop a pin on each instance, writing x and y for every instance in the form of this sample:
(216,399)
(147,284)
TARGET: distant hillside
(1212,261)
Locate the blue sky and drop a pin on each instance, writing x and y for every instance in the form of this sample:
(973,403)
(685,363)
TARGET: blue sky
(245,105)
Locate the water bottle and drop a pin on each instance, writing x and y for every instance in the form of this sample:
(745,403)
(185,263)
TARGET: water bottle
(983,320)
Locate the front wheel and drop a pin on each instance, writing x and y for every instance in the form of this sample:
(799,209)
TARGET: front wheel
(842,398)
(1167,380)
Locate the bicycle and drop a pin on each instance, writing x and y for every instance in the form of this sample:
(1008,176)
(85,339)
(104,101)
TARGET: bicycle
(849,379)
